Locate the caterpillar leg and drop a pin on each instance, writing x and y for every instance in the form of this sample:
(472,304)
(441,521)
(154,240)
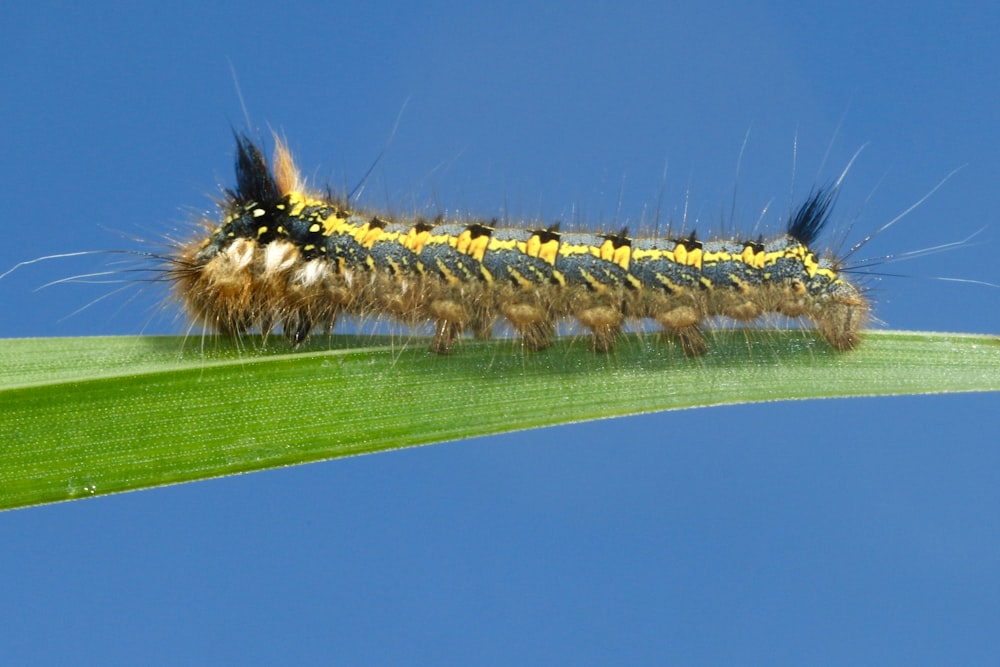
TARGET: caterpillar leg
(605,323)
(532,323)
(449,322)
(840,323)
(681,325)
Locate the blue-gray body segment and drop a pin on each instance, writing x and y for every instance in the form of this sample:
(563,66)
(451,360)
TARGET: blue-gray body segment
(515,266)
(586,268)
(388,253)
(442,259)
(660,272)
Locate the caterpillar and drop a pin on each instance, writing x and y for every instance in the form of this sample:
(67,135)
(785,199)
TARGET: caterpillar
(285,257)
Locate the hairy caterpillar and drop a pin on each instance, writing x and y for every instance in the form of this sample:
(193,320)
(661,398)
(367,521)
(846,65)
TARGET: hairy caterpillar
(287,257)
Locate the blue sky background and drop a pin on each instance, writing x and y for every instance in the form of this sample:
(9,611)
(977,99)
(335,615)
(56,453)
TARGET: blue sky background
(834,532)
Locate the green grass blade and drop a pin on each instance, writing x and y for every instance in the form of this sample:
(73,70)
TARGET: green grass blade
(86,416)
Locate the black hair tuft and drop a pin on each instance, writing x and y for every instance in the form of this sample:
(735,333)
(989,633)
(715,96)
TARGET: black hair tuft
(808,222)
(254,181)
